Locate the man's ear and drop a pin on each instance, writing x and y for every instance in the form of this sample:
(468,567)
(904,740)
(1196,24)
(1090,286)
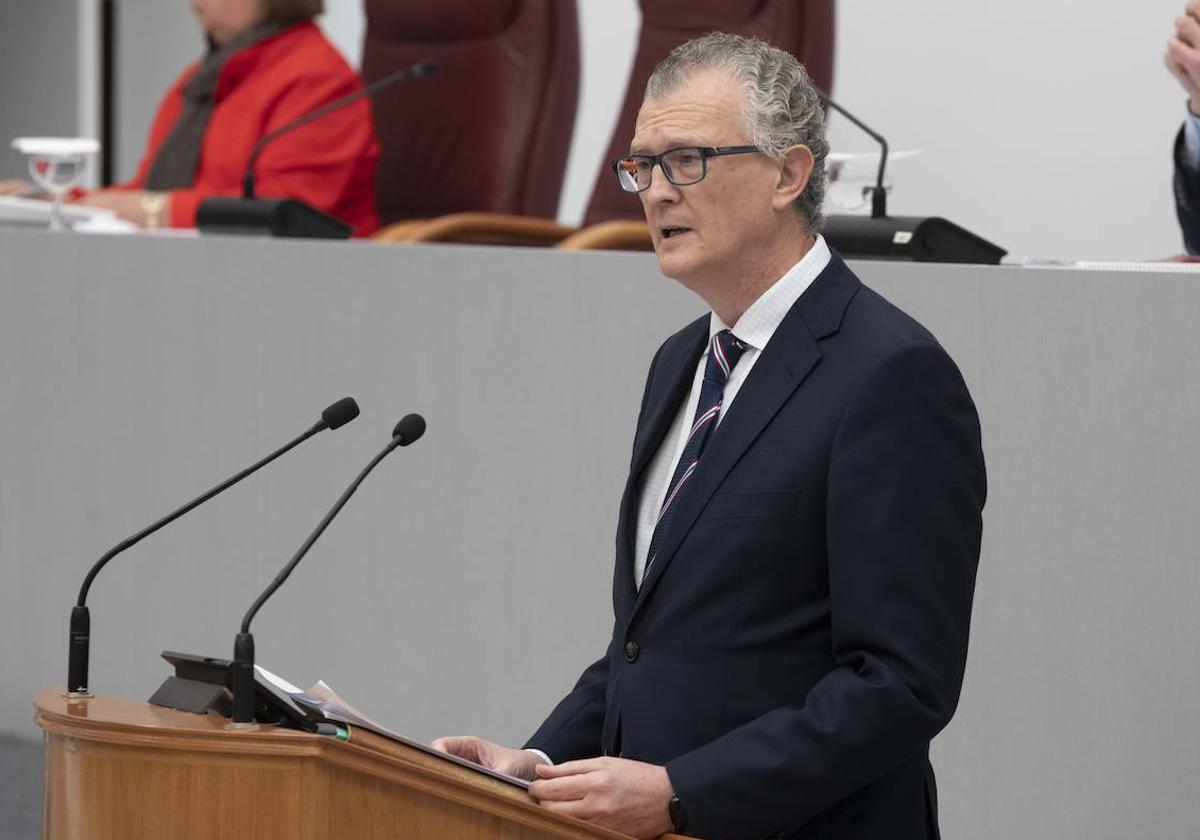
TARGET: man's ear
(794,173)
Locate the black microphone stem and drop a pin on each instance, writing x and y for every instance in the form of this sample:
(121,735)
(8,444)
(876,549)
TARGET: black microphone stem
(243,645)
(878,196)
(78,651)
(416,71)
(333,417)
(194,503)
(314,536)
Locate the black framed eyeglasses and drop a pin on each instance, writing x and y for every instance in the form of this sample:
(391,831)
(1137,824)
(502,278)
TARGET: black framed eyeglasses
(683,166)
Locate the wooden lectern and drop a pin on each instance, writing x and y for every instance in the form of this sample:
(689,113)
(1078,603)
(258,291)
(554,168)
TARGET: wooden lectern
(123,769)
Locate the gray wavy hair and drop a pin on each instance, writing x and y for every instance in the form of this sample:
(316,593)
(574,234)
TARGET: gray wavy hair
(781,107)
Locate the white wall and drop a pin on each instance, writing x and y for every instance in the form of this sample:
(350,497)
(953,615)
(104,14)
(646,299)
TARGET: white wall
(1046,124)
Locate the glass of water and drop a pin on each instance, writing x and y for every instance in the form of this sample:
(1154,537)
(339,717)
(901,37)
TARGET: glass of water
(56,165)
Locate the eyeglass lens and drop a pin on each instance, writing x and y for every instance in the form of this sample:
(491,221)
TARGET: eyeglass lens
(681,166)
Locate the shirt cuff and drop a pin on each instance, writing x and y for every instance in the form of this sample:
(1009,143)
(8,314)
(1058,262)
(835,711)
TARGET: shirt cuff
(540,755)
(1191,142)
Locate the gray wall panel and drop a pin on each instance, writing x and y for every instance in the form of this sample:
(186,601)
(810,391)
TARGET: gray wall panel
(469,581)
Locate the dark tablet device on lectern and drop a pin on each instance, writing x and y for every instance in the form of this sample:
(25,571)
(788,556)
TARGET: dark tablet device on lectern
(202,684)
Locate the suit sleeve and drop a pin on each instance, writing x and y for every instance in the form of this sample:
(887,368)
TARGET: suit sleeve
(1187,197)
(575,728)
(905,493)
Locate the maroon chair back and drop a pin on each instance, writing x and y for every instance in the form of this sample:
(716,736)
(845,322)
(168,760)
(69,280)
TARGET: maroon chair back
(491,130)
(802,27)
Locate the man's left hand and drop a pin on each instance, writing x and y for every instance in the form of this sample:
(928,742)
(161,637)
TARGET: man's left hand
(626,796)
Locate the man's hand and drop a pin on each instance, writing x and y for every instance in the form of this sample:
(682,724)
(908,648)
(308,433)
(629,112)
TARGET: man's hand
(1183,53)
(519,763)
(627,796)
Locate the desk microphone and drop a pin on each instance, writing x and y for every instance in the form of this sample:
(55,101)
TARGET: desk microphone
(917,238)
(333,417)
(416,71)
(409,429)
(289,216)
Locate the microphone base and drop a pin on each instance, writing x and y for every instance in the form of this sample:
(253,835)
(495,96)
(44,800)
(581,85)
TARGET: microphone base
(192,695)
(283,217)
(915,238)
(78,695)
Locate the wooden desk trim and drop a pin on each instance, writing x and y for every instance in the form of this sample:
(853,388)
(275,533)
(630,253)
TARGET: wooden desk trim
(128,723)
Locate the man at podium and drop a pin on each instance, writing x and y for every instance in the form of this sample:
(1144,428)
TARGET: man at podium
(799,534)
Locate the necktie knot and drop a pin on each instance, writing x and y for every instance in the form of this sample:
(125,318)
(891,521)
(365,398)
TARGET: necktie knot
(724,350)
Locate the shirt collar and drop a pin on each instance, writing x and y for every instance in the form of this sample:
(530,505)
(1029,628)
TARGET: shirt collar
(759,322)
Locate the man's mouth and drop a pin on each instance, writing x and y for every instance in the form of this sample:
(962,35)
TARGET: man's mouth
(672,232)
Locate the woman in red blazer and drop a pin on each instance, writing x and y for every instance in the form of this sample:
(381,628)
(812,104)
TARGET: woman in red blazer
(268,64)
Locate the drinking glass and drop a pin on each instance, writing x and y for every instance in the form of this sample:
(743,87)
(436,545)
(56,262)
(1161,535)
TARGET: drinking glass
(56,165)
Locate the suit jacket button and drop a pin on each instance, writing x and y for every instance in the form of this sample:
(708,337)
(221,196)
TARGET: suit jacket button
(631,651)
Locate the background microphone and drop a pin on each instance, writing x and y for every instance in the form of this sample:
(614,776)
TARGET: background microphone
(878,195)
(289,216)
(333,417)
(916,238)
(424,68)
(409,429)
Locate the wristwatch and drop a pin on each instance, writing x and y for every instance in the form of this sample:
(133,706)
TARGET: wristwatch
(678,817)
(153,204)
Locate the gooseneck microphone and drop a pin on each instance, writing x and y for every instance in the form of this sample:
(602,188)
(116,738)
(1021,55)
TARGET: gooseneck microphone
(917,238)
(409,429)
(878,195)
(290,217)
(333,417)
(424,68)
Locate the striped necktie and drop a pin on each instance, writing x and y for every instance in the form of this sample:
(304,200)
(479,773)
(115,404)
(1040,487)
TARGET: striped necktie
(724,350)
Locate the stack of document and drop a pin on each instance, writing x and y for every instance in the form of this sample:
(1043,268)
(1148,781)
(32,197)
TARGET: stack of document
(35,212)
(320,703)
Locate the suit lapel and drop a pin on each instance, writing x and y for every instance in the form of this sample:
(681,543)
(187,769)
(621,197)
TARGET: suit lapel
(678,370)
(784,364)
(671,381)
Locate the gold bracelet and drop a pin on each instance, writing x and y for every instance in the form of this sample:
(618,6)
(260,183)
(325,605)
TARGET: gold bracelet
(153,204)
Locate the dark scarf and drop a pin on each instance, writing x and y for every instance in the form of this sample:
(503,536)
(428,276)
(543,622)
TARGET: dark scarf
(175,164)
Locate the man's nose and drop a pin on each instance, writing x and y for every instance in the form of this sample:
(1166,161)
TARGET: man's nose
(661,189)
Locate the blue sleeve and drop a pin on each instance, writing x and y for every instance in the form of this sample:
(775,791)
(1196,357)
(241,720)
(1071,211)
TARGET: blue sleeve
(573,730)
(1187,187)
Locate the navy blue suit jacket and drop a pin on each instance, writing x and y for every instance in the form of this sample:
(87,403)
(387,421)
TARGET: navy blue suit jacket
(1187,197)
(803,632)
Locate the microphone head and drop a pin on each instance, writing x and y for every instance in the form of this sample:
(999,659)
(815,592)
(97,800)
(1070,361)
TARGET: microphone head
(340,413)
(409,429)
(428,67)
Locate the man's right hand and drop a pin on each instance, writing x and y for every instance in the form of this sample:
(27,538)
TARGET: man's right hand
(1183,53)
(519,763)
